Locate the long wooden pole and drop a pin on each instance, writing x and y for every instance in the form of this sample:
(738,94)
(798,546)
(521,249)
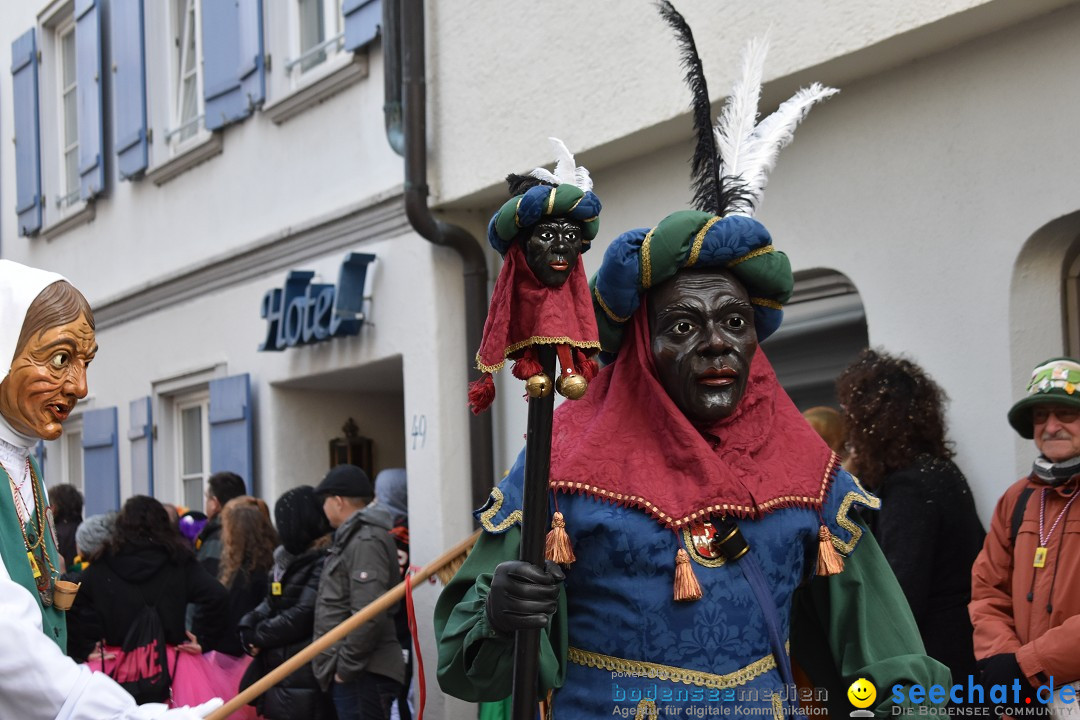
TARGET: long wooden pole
(534,512)
(381,604)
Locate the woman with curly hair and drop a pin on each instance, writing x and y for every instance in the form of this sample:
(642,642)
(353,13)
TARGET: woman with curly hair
(247,554)
(927,526)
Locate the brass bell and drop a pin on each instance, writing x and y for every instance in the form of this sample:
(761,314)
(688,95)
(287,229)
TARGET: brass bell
(572,386)
(538,386)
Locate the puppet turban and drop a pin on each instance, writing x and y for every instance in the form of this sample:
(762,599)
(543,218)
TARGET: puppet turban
(529,208)
(641,259)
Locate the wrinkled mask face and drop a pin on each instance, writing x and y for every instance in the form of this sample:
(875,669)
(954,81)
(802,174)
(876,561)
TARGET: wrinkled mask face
(701,328)
(47,379)
(553,249)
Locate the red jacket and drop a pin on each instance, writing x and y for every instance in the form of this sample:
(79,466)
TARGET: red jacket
(1046,641)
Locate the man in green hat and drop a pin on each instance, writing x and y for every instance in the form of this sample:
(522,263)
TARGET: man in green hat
(1025,604)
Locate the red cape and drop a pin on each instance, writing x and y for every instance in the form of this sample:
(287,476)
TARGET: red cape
(526,312)
(628,443)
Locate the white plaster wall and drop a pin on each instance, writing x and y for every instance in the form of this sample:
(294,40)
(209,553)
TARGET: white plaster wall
(595,73)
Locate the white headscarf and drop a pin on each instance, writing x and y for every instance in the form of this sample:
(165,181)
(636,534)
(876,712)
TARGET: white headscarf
(19,287)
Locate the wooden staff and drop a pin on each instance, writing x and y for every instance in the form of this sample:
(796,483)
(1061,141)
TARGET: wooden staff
(534,519)
(381,604)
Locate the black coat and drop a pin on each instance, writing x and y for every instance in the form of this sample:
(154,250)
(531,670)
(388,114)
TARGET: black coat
(930,534)
(115,588)
(245,594)
(280,627)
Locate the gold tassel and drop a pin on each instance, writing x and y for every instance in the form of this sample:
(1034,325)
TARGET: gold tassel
(686,584)
(557,546)
(830,562)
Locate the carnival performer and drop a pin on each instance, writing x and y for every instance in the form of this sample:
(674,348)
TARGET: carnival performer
(695,499)
(46,343)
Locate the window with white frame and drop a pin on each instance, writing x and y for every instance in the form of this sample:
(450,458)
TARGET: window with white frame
(68,121)
(186,75)
(319,35)
(193,447)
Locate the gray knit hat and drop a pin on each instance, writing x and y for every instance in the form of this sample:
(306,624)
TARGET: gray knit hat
(93,533)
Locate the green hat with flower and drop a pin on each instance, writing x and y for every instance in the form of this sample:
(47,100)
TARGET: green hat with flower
(1053,382)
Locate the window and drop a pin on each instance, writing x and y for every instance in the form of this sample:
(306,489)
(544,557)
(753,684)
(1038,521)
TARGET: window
(68,123)
(186,73)
(193,447)
(319,35)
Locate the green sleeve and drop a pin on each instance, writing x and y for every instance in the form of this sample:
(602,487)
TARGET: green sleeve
(858,624)
(476,662)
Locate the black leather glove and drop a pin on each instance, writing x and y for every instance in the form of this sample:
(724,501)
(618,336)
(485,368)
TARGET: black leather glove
(523,596)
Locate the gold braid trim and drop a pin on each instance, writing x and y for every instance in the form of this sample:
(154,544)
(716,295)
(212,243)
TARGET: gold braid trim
(764,250)
(777,707)
(536,340)
(577,202)
(517,206)
(606,309)
(636,668)
(491,512)
(550,202)
(723,508)
(646,261)
(842,519)
(699,239)
(766,302)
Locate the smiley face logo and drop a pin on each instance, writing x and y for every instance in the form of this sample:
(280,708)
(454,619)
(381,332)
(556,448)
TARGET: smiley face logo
(862,693)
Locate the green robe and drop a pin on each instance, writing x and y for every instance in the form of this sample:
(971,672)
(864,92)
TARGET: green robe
(13,549)
(855,624)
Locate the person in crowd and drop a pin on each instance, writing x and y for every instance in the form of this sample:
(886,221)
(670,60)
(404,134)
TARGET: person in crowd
(1025,589)
(67,505)
(247,555)
(365,671)
(220,489)
(91,539)
(897,429)
(392,495)
(829,424)
(284,621)
(46,343)
(146,563)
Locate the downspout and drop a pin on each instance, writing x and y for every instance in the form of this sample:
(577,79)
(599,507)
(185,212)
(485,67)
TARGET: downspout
(408,61)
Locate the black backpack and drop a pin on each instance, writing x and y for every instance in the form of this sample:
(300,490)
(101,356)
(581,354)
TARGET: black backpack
(144,669)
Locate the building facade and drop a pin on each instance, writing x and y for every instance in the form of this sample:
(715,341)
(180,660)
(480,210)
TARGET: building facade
(219,180)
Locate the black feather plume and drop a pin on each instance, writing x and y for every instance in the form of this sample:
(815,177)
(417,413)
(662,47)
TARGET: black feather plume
(704,166)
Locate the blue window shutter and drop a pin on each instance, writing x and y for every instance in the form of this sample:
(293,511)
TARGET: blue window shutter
(230,426)
(362,21)
(88,97)
(141,437)
(24,81)
(128,46)
(39,456)
(222,90)
(251,69)
(101,461)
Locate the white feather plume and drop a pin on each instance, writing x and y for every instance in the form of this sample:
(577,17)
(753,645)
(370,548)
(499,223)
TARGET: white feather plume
(566,170)
(735,126)
(748,151)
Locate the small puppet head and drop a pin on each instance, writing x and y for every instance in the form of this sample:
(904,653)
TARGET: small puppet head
(553,245)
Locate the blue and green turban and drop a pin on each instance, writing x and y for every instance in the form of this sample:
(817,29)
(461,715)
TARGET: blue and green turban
(642,259)
(544,201)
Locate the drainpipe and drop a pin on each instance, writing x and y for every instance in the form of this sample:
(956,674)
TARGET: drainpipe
(391,46)
(410,64)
